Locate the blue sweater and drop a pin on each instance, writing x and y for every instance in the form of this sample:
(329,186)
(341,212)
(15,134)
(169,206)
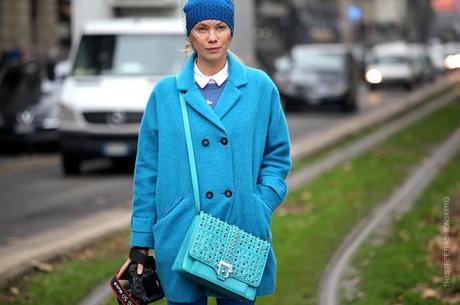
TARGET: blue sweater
(242,152)
(211,93)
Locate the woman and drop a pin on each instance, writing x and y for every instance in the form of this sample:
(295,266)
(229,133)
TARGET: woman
(241,145)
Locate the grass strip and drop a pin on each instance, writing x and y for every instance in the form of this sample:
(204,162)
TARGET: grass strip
(405,264)
(306,229)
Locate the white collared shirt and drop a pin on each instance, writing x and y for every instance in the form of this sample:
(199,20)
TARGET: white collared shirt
(219,78)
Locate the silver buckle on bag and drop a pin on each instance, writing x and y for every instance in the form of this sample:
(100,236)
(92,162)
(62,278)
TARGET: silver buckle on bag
(228,268)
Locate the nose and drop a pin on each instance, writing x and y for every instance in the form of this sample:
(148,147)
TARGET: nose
(212,36)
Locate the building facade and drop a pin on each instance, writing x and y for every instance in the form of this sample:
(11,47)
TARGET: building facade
(39,27)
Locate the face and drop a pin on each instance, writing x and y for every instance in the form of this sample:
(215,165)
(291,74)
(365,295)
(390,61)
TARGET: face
(211,40)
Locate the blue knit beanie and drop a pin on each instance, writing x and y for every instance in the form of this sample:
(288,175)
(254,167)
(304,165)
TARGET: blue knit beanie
(198,10)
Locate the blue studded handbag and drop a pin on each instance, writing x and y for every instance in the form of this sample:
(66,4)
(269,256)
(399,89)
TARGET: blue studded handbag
(215,253)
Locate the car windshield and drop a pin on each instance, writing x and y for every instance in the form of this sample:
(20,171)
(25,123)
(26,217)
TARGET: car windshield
(129,55)
(391,60)
(319,61)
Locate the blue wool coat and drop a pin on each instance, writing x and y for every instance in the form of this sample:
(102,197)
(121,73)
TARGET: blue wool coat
(242,152)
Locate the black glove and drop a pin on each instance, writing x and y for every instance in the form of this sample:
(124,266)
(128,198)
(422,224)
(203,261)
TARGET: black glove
(141,289)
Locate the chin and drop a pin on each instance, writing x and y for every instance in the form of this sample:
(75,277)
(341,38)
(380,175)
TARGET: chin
(215,56)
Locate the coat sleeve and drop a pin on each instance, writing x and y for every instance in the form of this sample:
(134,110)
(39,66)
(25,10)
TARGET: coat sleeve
(145,178)
(276,162)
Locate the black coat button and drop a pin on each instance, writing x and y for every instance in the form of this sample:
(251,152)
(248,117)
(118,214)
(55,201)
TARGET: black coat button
(209,195)
(205,142)
(224,141)
(228,193)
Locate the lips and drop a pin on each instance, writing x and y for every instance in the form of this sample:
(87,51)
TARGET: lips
(213,49)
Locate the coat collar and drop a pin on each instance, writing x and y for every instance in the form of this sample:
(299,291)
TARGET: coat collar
(231,94)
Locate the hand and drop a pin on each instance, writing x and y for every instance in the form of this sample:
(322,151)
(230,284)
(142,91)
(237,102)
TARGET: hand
(140,267)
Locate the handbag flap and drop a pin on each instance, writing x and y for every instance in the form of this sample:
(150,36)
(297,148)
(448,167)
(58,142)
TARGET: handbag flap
(230,251)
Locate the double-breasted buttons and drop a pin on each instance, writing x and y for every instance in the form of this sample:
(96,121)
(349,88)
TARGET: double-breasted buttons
(205,142)
(209,195)
(224,141)
(228,193)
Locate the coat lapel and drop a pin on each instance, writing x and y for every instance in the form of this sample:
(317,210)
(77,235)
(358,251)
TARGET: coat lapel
(195,99)
(231,94)
(228,98)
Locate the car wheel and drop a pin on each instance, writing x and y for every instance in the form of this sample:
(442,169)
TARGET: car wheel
(70,165)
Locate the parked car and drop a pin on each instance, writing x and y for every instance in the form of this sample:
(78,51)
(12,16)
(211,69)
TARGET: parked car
(114,69)
(29,103)
(391,64)
(317,74)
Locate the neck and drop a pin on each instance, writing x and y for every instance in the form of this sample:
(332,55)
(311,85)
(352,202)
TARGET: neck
(210,68)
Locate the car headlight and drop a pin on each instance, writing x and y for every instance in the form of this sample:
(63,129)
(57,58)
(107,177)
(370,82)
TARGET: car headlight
(25,117)
(373,76)
(452,62)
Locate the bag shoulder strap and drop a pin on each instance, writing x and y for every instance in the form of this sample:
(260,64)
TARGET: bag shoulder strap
(191,155)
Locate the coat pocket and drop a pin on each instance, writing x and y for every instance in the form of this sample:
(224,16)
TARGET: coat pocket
(170,209)
(264,210)
(267,208)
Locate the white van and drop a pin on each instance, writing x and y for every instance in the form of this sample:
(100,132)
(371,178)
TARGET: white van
(115,66)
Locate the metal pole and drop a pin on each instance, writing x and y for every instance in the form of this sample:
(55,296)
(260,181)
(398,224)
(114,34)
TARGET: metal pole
(347,35)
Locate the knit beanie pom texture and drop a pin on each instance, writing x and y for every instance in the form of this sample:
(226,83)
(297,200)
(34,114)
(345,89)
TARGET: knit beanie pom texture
(198,10)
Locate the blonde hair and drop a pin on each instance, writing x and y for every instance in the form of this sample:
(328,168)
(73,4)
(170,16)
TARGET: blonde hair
(189,49)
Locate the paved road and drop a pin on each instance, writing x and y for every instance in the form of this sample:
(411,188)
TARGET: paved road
(36,197)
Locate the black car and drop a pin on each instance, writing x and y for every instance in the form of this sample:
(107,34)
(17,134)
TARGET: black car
(317,74)
(29,104)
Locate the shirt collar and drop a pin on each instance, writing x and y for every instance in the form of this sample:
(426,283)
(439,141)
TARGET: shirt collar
(219,78)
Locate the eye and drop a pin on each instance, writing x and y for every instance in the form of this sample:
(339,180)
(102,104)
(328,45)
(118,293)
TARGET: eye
(221,28)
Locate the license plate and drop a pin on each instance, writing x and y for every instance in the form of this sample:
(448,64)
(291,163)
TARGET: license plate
(115,150)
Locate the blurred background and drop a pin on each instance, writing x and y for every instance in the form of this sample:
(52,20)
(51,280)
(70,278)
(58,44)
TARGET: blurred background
(301,44)
(75,76)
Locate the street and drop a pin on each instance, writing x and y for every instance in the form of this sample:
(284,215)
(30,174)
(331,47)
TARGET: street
(37,197)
